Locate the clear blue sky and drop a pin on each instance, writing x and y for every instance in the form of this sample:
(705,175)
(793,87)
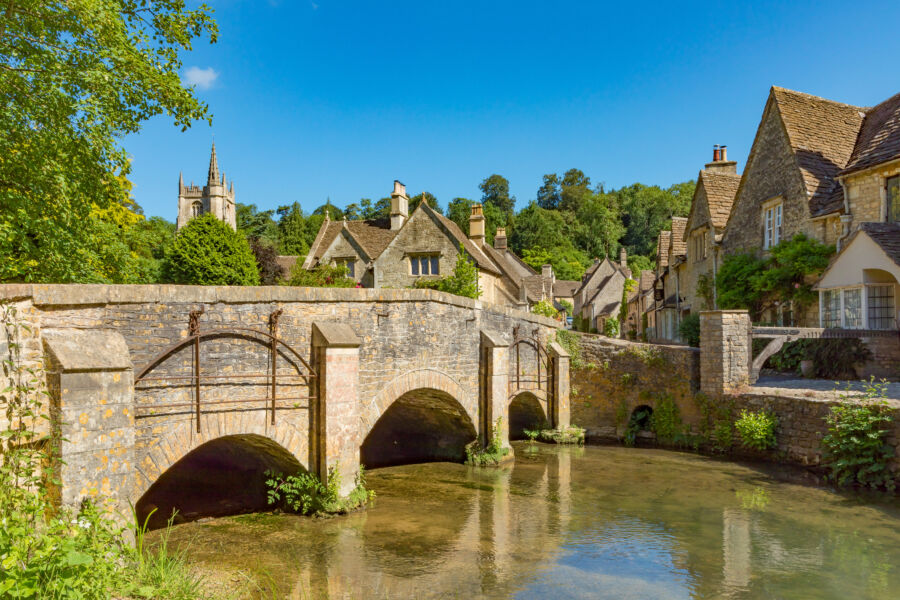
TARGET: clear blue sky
(317,99)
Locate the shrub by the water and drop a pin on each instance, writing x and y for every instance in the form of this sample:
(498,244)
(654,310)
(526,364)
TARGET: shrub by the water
(305,494)
(493,453)
(856,449)
(208,251)
(757,429)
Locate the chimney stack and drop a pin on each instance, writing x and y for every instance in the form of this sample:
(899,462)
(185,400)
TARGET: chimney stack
(399,206)
(500,239)
(623,257)
(476,224)
(547,271)
(720,162)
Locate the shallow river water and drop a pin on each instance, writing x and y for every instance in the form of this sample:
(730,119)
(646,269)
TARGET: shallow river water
(595,522)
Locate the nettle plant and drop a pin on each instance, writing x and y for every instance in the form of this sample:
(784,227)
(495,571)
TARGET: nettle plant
(856,449)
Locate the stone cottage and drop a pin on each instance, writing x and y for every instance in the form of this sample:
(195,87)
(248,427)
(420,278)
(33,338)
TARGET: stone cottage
(717,184)
(670,306)
(215,197)
(599,296)
(640,300)
(398,251)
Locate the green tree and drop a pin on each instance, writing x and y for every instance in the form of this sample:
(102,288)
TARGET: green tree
(645,210)
(495,190)
(574,190)
(321,276)
(458,211)
(416,200)
(599,227)
(75,78)
(208,251)
(638,263)
(548,194)
(255,223)
(294,230)
(463,281)
(735,283)
(330,209)
(567,262)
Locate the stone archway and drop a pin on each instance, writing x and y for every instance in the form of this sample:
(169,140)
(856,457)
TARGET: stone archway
(424,424)
(222,476)
(527,410)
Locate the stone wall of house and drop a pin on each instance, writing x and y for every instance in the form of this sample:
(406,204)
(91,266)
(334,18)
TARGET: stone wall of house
(420,235)
(770,172)
(695,268)
(886,358)
(866,194)
(342,249)
(615,376)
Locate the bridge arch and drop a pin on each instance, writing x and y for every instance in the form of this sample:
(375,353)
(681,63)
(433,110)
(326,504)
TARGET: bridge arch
(421,416)
(528,409)
(220,476)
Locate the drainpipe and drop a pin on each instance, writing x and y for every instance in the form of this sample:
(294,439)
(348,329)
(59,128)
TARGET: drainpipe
(715,305)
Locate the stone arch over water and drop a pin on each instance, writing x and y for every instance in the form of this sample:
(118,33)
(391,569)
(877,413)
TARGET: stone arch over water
(222,476)
(423,417)
(527,410)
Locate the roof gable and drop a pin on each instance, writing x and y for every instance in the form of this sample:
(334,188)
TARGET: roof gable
(662,249)
(677,245)
(874,246)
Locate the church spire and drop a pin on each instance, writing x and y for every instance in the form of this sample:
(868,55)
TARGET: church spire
(213,177)
(180,183)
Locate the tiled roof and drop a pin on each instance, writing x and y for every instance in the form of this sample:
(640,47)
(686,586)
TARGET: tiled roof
(565,288)
(721,189)
(511,265)
(822,134)
(662,249)
(474,251)
(286,263)
(372,235)
(879,138)
(887,236)
(646,281)
(678,247)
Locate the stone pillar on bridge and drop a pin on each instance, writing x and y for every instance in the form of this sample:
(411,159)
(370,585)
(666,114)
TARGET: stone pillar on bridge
(725,351)
(336,432)
(90,380)
(559,394)
(493,402)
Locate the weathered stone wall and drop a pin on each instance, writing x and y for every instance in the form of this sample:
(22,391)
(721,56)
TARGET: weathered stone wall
(617,376)
(866,193)
(770,172)
(725,351)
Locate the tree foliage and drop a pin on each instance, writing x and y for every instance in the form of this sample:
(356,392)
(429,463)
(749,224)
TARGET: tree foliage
(462,282)
(256,224)
(76,77)
(270,272)
(495,191)
(208,251)
(321,276)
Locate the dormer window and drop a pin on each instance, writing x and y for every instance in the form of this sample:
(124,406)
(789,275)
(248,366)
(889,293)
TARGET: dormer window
(424,264)
(772,218)
(892,214)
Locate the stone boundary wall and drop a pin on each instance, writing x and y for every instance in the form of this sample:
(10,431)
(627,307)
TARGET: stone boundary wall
(618,376)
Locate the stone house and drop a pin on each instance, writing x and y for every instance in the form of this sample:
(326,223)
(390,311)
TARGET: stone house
(714,194)
(599,295)
(669,308)
(639,300)
(398,251)
(215,197)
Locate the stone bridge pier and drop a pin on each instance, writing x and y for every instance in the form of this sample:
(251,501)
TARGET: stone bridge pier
(180,399)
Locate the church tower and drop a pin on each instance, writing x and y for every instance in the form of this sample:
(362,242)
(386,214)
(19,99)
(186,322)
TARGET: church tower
(215,197)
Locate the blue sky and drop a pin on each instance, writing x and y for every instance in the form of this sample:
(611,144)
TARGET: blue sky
(319,99)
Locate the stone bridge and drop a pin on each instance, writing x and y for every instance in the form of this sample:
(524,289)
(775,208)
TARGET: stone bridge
(182,396)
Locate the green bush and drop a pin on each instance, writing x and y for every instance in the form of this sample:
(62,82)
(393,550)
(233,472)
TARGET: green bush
(321,276)
(611,328)
(689,330)
(305,494)
(757,429)
(665,421)
(493,454)
(569,342)
(567,307)
(856,449)
(570,435)
(545,308)
(208,251)
(463,281)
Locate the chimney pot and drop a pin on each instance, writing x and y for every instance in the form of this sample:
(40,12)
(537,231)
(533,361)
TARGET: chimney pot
(716,154)
(723,153)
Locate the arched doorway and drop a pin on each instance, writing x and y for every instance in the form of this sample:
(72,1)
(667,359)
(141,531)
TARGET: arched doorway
(526,412)
(422,425)
(224,476)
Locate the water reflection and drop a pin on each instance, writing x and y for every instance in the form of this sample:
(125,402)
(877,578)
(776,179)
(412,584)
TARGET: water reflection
(570,523)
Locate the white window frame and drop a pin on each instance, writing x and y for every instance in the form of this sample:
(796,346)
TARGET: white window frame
(842,306)
(773,222)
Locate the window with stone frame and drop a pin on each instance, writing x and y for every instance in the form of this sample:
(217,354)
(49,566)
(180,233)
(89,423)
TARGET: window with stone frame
(349,264)
(880,306)
(892,214)
(424,264)
(698,246)
(196,209)
(772,220)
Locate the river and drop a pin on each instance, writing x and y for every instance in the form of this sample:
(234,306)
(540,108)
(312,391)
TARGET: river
(564,522)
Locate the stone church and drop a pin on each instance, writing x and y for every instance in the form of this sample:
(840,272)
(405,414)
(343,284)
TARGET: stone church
(214,197)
